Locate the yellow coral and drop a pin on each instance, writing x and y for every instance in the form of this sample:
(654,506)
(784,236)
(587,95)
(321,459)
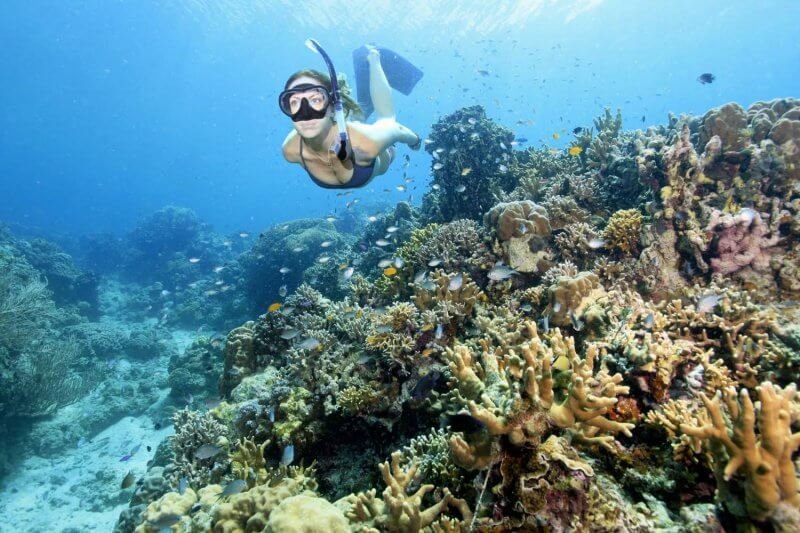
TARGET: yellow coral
(623,230)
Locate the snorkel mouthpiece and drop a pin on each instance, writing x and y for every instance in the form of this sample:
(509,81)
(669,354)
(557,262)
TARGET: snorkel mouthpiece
(341,153)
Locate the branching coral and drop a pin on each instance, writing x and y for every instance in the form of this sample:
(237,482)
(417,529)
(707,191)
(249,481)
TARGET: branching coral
(765,459)
(622,231)
(401,511)
(452,300)
(192,431)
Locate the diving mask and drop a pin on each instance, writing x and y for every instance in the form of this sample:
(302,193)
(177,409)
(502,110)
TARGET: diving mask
(305,102)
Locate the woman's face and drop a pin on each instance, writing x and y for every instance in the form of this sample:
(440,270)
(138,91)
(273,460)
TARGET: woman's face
(310,128)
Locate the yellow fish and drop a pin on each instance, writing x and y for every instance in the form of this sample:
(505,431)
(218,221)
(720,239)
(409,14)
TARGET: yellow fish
(556,136)
(389,271)
(575,150)
(466,171)
(274,307)
(562,363)
(426,352)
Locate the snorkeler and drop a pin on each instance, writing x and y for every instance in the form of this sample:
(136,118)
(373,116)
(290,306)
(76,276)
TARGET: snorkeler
(339,154)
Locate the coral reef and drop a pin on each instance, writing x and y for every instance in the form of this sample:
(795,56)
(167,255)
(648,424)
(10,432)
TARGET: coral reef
(523,231)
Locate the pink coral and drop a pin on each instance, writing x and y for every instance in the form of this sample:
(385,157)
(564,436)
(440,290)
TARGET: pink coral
(743,241)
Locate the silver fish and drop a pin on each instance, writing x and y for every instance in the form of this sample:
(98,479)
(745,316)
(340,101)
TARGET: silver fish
(182,484)
(383,329)
(283,291)
(326,244)
(501,272)
(347,273)
(420,276)
(649,320)
(428,285)
(577,323)
(165,520)
(545,324)
(285,270)
(272,414)
(707,303)
(455,283)
(297,249)
(438,166)
(434,262)
(383,263)
(309,344)
(557,307)
(461,188)
(234,487)
(382,242)
(439,333)
(323,259)
(289,333)
(207,451)
(392,229)
(287,457)
(596,243)
(398,262)
(748,214)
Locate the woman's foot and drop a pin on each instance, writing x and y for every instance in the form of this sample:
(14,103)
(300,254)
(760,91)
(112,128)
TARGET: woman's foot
(373,54)
(416,145)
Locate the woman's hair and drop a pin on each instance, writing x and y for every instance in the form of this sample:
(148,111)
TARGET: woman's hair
(350,106)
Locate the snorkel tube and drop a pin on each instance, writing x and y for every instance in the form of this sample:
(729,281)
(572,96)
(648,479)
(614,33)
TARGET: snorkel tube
(341,153)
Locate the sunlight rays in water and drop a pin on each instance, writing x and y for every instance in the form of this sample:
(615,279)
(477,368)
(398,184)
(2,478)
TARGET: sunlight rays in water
(466,17)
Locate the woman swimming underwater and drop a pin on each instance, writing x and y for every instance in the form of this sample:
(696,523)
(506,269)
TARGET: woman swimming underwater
(340,154)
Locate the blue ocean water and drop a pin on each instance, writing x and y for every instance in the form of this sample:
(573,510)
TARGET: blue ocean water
(143,138)
(115,109)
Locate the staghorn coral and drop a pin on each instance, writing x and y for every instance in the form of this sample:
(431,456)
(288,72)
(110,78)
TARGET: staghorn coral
(515,395)
(248,462)
(569,296)
(193,430)
(622,231)
(401,511)
(573,243)
(765,459)
(522,230)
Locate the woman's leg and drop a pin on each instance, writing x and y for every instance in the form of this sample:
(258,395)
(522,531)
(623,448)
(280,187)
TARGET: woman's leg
(379,89)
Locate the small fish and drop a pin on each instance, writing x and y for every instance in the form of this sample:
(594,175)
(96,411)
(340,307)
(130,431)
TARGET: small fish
(649,320)
(428,141)
(501,272)
(707,303)
(207,451)
(435,187)
(347,273)
(392,229)
(283,290)
(455,283)
(438,166)
(217,270)
(384,328)
(435,262)
(472,121)
(128,480)
(401,188)
(196,507)
(288,310)
(643,119)
(331,219)
(323,259)
(274,307)
(425,385)
(561,363)
(287,457)
(545,324)
(285,270)
(428,285)
(503,169)
(577,130)
(526,308)
(596,243)
(309,344)
(166,520)
(577,323)
(194,259)
(503,146)
(465,423)
(521,140)
(398,262)
(234,487)
(439,332)
(523,228)
(748,214)
(557,307)
(483,72)
(383,263)
(244,235)
(182,484)
(372,218)
(556,136)
(389,271)
(289,333)
(125,458)
(575,150)
(326,244)
(706,78)
(461,188)
(272,413)
(382,242)
(420,276)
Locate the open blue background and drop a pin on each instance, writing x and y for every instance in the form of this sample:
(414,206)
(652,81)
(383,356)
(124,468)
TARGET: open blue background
(113,109)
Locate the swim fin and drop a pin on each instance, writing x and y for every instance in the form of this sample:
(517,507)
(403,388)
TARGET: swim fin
(400,74)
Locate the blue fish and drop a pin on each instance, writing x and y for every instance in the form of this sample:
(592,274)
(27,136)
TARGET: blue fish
(288,455)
